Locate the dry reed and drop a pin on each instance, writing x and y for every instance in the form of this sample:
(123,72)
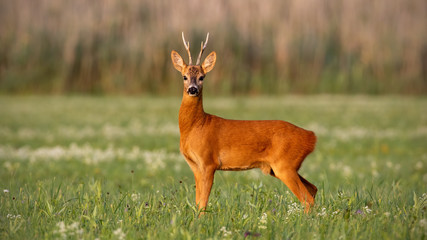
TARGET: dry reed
(274,46)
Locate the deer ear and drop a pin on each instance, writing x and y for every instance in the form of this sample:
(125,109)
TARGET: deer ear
(209,62)
(177,61)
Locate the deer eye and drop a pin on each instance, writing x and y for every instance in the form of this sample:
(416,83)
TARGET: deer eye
(201,78)
(185,77)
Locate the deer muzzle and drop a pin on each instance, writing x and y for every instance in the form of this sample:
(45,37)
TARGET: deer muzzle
(193,91)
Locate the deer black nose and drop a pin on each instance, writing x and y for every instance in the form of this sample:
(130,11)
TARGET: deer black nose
(193,90)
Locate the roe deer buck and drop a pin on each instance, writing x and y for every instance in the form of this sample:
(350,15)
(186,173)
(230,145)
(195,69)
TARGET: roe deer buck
(211,143)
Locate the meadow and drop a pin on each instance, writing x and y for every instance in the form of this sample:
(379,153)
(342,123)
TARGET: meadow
(81,167)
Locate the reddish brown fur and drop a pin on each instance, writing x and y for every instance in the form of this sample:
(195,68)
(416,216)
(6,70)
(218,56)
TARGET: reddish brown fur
(211,143)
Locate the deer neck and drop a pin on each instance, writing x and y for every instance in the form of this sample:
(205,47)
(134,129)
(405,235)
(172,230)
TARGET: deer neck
(191,113)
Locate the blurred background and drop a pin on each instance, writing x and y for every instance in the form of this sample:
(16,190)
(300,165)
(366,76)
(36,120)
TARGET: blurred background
(263,47)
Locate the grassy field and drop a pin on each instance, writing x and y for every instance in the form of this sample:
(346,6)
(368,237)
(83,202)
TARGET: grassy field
(110,168)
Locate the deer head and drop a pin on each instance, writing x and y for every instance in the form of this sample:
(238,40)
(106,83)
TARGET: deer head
(193,75)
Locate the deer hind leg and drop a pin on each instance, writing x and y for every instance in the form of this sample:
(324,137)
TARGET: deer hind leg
(310,187)
(197,179)
(291,178)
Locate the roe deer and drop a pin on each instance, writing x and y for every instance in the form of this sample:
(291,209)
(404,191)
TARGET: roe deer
(211,143)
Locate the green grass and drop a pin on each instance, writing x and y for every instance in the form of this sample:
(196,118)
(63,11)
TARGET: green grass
(110,168)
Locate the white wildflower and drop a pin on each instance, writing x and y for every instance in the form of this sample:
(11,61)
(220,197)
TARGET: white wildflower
(6,190)
(322,213)
(245,216)
(263,218)
(68,230)
(224,231)
(423,199)
(263,221)
(367,209)
(11,216)
(262,227)
(74,229)
(294,208)
(119,234)
(135,196)
(334,213)
(155,159)
(61,229)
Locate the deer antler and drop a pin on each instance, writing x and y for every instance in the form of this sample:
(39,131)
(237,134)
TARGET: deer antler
(187,46)
(202,48)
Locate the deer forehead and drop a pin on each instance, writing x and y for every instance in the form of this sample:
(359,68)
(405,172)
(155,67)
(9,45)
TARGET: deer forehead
(194,70)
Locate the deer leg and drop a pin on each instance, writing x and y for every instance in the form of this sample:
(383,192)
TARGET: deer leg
(292,179)
(310,187)
(206,182)
(197,178)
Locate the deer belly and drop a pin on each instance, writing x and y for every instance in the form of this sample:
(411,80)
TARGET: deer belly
(235,161)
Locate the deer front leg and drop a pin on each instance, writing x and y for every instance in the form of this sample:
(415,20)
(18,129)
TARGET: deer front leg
(205,185)
(204,177)
(197,177)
